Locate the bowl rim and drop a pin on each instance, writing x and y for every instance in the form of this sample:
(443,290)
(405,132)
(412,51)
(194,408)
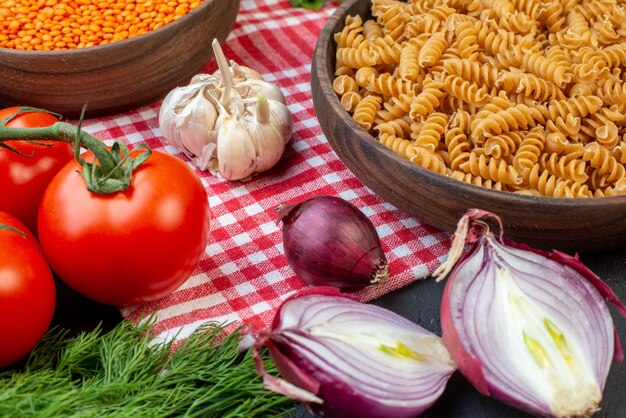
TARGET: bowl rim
(59,53)
(337,20)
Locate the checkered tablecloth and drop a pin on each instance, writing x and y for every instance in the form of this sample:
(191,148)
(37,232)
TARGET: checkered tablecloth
(244,276)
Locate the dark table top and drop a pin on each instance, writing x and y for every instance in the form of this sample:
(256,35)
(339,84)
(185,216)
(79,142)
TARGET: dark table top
(419,302)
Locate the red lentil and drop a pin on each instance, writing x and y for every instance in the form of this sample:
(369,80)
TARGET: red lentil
(66,24)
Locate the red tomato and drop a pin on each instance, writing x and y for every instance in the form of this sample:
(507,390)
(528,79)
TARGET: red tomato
(127,247)
(27,292)
(24,179)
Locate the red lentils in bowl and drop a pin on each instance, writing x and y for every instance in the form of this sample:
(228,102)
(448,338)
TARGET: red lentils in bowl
(45,25)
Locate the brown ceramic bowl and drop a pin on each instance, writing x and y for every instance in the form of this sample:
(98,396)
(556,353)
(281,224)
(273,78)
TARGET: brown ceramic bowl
(120,75)
(581,225)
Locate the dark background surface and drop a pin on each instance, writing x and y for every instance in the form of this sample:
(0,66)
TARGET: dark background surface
(419,302)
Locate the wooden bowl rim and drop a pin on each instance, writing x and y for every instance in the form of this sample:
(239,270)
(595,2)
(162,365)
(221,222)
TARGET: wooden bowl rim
(337,19)
(80,52)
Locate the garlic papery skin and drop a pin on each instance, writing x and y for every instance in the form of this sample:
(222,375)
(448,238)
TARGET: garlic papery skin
(266,137)
(256,137)
(252,88)
(241,73)
(187,119)
(237,156)
(280,117)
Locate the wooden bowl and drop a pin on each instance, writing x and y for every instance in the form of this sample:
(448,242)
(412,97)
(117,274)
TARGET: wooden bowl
(120,75)
(582,225)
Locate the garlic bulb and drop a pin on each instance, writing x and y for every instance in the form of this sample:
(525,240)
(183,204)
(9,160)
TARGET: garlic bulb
(231,123)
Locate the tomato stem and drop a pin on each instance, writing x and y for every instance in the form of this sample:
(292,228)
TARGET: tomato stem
(4,227)
(115,168)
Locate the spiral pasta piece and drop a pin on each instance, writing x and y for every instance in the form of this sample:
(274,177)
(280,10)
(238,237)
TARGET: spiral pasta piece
(604,163)
(365,75)
(351,35)
(529,85)
(614,55)
(552,186)
(564,167)
(344,84)
(619,152)
(350,100)
(432,50)
(425,102)
(569,126)
(398,127)
(499,146)
(476,180)
(356,57)
(408,67)
(500,7)
(518,22)
(583,88)
(429,160)
(531,8)
(527,155)
(462,89)
(372,31)
(617,190)
(400,146)
(472,71)
(580,106)
(490,168)
(457,146)
(513,118)
(604,31)
(467,39)
(497,103)
(568,5)
(387,85)
(461,119)
(592,9)
(365,111)
(392,19)
(432,130)
(546,68)
(551,14)
(604,131)
(396,107)
(387,50)
(505,46)
(612,92)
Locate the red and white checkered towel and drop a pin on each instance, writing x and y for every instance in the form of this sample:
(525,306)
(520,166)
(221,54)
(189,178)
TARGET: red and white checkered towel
(244,276)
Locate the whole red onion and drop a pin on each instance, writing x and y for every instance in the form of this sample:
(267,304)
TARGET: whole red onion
(330,242)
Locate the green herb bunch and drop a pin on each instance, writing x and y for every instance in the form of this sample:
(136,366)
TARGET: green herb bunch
(122,374)
(309,4)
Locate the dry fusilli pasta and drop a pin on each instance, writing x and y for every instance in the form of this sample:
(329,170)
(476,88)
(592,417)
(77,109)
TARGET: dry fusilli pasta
(524,96)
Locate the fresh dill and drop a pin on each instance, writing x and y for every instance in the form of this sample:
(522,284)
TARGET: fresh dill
(122,374)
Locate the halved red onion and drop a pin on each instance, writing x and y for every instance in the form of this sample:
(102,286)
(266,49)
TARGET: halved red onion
(530,328)
(344,358)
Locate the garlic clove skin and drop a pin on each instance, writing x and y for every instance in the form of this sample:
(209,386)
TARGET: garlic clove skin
(205,79)
(281,119)
(198,124)
(187,118)
(267,140)
(240,73)
(235,150)
(252,88)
